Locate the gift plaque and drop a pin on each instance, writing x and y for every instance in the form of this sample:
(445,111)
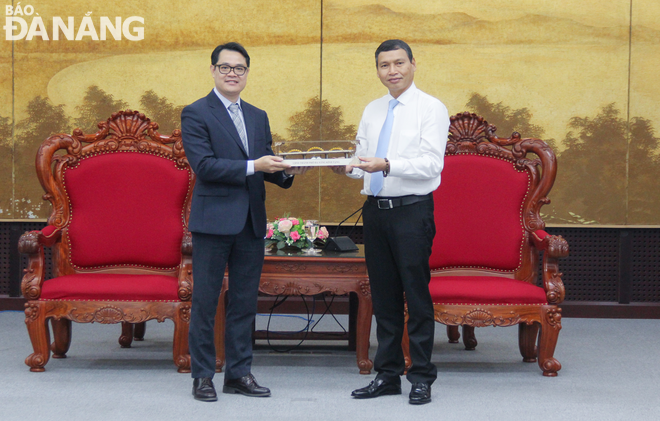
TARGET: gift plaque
(317,153)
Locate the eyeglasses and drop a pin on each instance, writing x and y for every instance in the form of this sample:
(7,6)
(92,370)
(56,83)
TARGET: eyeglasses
(225,69)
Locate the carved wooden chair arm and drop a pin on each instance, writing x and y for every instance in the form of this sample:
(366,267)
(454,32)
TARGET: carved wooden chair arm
(32,243)
(186,243)
(185,273)
(554,247)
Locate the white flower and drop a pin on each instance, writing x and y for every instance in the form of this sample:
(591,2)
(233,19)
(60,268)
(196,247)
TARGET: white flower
(285,226)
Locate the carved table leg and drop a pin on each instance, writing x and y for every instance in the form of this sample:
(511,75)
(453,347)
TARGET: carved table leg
(469,340)
(550,328)
(363,328)
(527,335)
(126,338)
(220,329)
(61,337)
(452,334)
(35,319)
(139,329)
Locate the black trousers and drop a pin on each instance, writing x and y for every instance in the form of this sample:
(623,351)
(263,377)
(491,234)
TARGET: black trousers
(244,253)
(398,245)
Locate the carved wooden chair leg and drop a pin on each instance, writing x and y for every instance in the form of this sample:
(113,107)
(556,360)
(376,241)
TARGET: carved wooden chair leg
(550,328)
(527,337)
(181,352)
(126,338)
(139,329)
(405,346)
(61,337)
(405,341)
(469,340)
(453,334)
(35,320)
(220,329)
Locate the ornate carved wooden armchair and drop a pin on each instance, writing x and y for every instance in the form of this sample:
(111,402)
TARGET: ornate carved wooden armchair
(121,248)
(485,255)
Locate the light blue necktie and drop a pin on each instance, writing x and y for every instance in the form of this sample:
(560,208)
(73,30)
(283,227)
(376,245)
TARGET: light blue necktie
(240,128)
(381,150)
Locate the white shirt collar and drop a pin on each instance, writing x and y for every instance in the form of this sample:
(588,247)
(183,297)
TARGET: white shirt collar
(225,101)
(406,96)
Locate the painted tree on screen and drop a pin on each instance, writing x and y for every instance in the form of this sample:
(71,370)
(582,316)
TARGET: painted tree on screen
(598,170)
(161,111)
(506,119)
(643,174)
(6,166)
(97,106)
(43,120)
(320,121)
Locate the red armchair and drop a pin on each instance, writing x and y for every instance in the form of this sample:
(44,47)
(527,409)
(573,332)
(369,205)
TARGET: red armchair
(118,228)
(485,255)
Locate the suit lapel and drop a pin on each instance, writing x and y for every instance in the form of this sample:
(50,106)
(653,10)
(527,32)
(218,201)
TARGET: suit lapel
(222,114)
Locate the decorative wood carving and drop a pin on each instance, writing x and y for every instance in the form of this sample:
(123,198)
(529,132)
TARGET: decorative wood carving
(292,267)
(124,131)
(365,288)
(342,268)
(478,317)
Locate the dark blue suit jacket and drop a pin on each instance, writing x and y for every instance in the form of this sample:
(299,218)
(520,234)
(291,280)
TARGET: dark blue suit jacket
(223,193)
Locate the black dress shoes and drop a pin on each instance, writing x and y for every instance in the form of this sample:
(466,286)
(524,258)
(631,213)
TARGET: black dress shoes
(203,390)
(377,388)
(420,394)
(246,385)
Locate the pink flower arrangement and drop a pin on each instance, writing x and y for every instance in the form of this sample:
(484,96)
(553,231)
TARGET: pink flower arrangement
(290,232)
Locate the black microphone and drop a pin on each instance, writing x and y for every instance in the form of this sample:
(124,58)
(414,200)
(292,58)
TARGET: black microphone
(343,243)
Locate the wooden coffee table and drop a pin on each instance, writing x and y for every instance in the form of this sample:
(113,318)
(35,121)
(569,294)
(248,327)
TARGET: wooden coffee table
(296,274)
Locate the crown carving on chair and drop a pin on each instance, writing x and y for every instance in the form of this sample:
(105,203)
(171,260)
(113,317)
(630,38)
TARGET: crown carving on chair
(469,127)
(471,133)
(124,131)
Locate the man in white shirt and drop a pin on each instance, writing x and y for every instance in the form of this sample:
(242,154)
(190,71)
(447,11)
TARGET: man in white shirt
(402,138)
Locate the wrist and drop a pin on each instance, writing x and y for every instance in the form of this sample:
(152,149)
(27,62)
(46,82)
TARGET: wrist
(386,171)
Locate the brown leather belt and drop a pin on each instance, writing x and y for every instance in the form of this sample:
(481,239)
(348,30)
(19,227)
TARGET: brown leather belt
(394,202)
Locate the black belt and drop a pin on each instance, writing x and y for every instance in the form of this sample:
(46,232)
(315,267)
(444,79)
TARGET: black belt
(394,202)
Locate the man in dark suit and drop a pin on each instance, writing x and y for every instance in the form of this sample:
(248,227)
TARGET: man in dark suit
(228,144)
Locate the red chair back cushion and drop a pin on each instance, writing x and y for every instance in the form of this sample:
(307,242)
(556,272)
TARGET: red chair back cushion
(127,209)
(478,214)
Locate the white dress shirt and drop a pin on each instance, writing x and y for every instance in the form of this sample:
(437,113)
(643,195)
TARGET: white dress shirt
(250,164)
(417,146)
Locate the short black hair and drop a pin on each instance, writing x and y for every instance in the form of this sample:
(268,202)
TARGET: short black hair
(233,46)
(394,44)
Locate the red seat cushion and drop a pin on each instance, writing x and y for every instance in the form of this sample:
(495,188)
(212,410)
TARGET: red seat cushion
(127,209)
(111,287)
(484,290)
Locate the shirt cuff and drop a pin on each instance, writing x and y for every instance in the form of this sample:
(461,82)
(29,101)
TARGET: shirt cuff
(395,168)
(250,168)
